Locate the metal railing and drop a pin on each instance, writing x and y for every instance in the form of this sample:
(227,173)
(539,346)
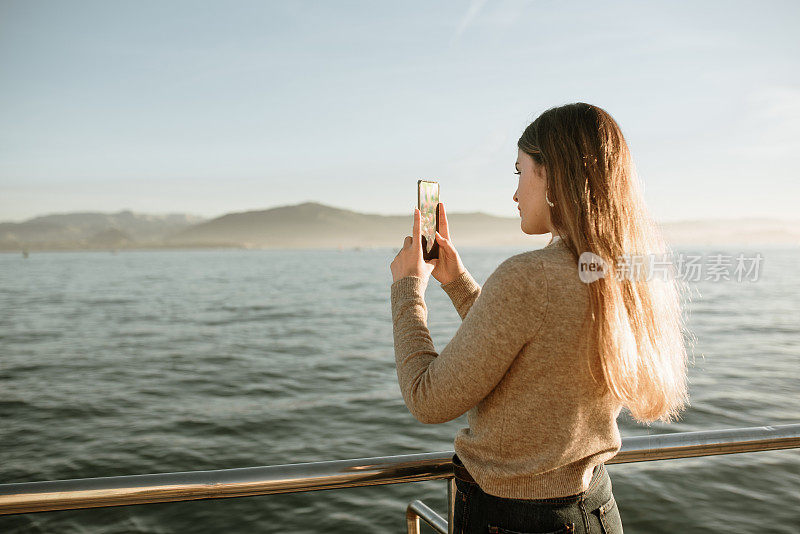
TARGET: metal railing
(28,497)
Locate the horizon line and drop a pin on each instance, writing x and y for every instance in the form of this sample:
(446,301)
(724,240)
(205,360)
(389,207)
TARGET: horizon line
(212,217)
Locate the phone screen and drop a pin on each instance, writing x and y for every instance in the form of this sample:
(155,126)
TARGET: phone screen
(428,204)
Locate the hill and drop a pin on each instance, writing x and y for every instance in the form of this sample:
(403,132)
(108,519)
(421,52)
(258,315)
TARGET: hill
(316,225)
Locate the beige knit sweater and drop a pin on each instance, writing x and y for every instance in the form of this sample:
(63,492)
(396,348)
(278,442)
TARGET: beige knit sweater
(538,423)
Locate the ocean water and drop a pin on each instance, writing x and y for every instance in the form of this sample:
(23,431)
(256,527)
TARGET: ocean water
(160,361)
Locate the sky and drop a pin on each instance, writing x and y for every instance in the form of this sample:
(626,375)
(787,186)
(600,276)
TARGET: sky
(210,108)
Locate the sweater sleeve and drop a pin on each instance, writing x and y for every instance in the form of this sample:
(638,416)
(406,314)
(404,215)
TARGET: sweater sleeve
(508,312)
(462,292)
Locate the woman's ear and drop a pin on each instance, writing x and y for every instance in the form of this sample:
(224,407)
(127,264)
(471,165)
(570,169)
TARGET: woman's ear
(540,171)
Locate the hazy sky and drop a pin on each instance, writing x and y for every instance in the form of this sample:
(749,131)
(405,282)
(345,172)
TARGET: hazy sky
(216,107)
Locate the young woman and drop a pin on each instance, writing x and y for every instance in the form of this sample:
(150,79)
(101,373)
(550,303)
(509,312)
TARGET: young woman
(546,357)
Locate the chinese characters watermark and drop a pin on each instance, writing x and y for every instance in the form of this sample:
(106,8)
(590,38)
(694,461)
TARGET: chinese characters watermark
(688,267)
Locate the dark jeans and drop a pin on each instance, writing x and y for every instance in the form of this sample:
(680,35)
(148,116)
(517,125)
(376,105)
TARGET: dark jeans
(591,511)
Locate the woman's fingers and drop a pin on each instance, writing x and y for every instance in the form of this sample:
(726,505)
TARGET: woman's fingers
(449,265)
(443,242)
(443,226)
(416,233)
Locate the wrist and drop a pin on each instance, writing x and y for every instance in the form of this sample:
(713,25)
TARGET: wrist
(409,284)
(454,278)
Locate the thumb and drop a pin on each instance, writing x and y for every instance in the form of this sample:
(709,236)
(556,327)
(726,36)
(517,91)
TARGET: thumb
(442,241)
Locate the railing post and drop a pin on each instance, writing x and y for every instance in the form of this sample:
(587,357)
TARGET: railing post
(412,521)
(451,502)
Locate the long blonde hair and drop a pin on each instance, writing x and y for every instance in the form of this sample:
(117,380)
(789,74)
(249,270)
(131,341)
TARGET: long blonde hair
(598,207)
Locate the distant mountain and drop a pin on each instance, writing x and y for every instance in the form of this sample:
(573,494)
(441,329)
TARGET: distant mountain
(75,231)
(315,225)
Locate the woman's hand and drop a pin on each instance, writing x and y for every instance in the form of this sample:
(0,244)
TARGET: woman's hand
(408,261)
(448,266)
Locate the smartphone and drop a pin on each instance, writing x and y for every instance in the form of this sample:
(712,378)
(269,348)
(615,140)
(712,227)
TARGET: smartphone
(428,205)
